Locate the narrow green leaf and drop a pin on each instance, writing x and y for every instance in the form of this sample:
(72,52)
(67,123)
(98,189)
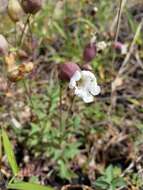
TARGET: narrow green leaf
(28,186)
(86,21)
(59,29)
(9,152)
(0,147)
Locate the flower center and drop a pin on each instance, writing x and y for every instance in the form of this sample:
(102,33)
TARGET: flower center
(81,82)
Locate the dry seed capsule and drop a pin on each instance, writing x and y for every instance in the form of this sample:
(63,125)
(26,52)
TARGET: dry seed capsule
(14,10)
(3,45)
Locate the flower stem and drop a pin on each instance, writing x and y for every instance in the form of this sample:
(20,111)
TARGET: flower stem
(28,96)
(70,109)
(30,31)
(23,31)
(15,36)
(60,119)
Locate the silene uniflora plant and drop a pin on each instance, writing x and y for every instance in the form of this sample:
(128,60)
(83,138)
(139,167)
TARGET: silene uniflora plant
(80,79)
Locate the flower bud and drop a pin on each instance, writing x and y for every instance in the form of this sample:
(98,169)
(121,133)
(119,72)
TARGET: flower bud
(14,10)
(67,70)
(31,6)
(3,45)
(94,11)
(89,52)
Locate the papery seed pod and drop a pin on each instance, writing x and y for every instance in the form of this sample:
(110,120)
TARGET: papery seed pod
(3,45)
(89,52)
(15,10)
(31,6)
(67,70)
(15,76)
(26,67)
(10,62)
(22,54)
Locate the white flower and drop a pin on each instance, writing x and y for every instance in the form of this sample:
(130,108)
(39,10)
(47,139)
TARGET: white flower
(85,85)
(101,46)
(124,49)
(95,9)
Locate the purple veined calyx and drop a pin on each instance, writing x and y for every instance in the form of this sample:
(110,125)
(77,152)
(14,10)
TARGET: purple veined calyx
(3,5)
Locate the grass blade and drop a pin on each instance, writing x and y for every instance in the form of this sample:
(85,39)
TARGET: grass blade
(28,186)
(9,152)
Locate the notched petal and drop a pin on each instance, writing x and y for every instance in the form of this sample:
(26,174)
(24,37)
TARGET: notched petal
(88,98)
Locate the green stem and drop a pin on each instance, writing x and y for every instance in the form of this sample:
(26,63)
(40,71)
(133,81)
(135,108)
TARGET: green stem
(60,119)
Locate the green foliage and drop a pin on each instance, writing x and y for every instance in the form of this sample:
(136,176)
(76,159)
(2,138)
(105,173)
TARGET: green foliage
(64,170)
(28,186)
(13,164)
(97,113)
(9,153)
(46,137)
(136,180)
(110,179)
(62,31)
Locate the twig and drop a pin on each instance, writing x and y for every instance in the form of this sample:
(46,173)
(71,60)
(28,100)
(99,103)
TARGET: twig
(139,61)
(121,6)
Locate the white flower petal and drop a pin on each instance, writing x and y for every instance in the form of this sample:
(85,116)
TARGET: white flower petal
(124,49)
(84,94)
(88,75)
(94,89)
(79,92)
(88,79)
(76,76)
(72,84)
(88,98)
